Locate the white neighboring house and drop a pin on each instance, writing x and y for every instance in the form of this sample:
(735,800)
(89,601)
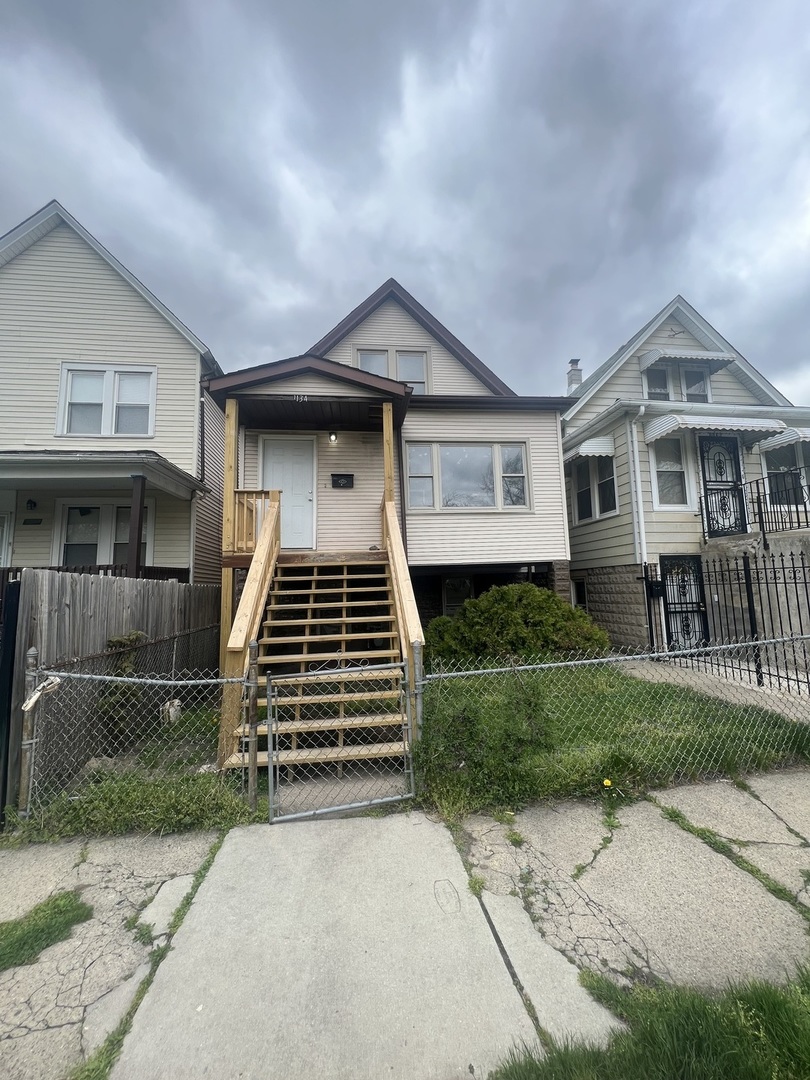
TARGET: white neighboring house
(477,470)
(102,422)
(676,447)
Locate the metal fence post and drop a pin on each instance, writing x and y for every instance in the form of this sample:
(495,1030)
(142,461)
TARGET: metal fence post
(418,687)
(28,729)
(271,791)
(752,618)
(253,723)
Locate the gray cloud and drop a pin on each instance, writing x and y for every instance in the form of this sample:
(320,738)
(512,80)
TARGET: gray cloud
(542,177)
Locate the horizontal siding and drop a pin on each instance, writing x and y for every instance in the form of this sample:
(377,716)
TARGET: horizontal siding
(607,541)
(33,543)
(671,335)
(675,532)
(625,383)
(728,390)
(208,510)
(390,326)
(347,520)
(310,384)
(60,301)
(445,537)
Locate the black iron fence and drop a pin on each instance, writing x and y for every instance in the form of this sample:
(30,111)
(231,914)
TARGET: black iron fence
(776,503)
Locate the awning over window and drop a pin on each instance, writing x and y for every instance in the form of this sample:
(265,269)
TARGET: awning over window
(786,438)
(713,360)
(662,426)
(601,446)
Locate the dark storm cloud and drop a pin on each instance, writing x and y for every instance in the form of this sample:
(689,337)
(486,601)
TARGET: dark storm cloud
(542,176)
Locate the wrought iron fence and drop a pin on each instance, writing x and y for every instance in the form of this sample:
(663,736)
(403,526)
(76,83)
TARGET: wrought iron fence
(777,503)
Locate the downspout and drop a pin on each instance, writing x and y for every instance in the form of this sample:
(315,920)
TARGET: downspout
(638,504)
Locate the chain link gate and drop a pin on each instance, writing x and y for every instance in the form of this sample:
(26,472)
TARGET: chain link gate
(339,738)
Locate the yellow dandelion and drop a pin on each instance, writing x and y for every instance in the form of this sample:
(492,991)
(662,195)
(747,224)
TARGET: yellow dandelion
(607,783)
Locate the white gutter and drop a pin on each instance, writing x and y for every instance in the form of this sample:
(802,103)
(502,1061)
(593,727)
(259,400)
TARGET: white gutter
(638,515)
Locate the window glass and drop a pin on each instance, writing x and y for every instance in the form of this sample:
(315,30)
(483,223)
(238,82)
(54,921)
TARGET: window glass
(411,370)
(374,361)
(468,478)
(85,403)
(605,485)
(513,475)
(670,476)
(579,593)
(784,481)
(695,385)
(420,475)
(657,384)
(582,483)
(121,534)
(132,403)
(81,536)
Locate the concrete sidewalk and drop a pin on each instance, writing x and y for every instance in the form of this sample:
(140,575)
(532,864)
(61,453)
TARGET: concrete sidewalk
(345,948)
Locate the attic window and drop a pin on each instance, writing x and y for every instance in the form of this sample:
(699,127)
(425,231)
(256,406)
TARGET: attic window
(657,383)
(408,366)
(695,384)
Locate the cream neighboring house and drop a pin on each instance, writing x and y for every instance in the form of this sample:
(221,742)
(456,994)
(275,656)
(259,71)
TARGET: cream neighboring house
(676,448)
(110,453)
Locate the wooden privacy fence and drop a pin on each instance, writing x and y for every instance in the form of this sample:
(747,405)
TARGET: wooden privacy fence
(65,616)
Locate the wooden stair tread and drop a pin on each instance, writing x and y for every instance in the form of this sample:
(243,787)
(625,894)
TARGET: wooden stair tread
(333,622)
(332,558)
(330,591)
(381,655)
(344,723)
(332,699)
(296,639)
(319,754)
(327,604)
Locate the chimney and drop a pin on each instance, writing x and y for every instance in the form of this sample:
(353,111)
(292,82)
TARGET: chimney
(574,375)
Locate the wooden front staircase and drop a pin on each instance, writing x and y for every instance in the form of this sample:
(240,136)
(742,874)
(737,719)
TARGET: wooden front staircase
(328,632)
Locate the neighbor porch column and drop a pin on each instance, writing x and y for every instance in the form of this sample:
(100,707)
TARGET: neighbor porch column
(135,526)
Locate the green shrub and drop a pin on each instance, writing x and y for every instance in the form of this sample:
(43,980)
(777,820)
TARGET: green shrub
(515,621)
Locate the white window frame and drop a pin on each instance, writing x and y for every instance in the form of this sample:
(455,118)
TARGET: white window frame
(688,461)
(106,527)
(707,381)
(391,352)
(668,374)
(798,450)
(593,472)
(110,373)
(495,447)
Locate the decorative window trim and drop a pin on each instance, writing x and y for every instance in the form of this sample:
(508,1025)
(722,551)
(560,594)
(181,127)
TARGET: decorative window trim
(106,533)
(110,373)
(495,447)
(668,374)
(707,380)
(593,475)
(687,460)
(391,351)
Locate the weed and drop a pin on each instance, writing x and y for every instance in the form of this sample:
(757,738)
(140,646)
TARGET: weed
(515,838)
(143,934)
(476,884)
(23,939)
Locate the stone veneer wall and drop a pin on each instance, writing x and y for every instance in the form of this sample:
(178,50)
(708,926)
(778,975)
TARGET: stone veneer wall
(616,602)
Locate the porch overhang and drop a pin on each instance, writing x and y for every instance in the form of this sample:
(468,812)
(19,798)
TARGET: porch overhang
(788,437)
(601,446)
(94,470)
(319,412)
(669,423)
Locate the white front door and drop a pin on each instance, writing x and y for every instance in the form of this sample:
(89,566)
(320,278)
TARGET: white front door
(289,467)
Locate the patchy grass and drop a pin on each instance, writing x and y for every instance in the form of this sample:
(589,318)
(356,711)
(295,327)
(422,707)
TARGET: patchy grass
(22,940)
(110,805)
(753,1031)
(502,740)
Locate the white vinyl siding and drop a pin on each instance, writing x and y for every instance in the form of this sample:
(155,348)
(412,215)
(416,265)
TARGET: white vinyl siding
(347,519)
(456,537)
(607,541)
(390,326)
(61,303)
(313,384)
(208,510)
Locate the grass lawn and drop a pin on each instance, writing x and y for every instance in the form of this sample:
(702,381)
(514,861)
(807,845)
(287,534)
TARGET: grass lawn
(499,740)
(750,1032)
(22,940)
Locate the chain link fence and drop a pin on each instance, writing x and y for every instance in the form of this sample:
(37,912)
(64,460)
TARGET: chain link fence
(505,732)
(150,707)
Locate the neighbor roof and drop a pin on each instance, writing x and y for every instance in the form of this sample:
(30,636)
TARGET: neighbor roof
(26,234)
(392,290)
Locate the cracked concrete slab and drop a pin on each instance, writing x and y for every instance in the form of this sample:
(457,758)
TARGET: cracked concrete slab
(103,1016)
(729,811)
(159,912)
(788,795)
(44,1005)
(787,865)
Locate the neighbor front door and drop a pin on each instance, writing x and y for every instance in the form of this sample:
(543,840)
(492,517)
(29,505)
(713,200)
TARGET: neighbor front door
(722,485)
(289,467)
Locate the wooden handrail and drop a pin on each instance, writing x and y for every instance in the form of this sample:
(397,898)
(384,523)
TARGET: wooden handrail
(249,508)
(248,619)
(408,621)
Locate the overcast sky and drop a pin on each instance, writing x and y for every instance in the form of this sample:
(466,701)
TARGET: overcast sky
(543,175)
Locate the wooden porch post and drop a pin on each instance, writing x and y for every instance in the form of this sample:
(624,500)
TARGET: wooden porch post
(135,526)
(388,450)
(228,522)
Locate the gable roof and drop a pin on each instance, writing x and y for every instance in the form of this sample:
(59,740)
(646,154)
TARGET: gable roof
(307,363)
(392,290)
(39,224)
(699,328)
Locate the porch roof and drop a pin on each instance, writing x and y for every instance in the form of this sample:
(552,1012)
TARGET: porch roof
(786,438)
(105,470)
(662,426)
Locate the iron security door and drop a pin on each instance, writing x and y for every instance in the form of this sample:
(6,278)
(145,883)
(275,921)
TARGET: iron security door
(684,601)
(722,485)
(289,467)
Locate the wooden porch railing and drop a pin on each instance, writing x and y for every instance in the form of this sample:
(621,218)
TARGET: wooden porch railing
(411,635)
(250,507)
(248,619)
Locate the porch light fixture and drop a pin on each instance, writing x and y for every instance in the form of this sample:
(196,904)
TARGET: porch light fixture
(31,505)
(332,436)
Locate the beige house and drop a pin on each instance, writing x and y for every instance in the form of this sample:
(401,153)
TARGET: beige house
(110,454)
(676,448)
